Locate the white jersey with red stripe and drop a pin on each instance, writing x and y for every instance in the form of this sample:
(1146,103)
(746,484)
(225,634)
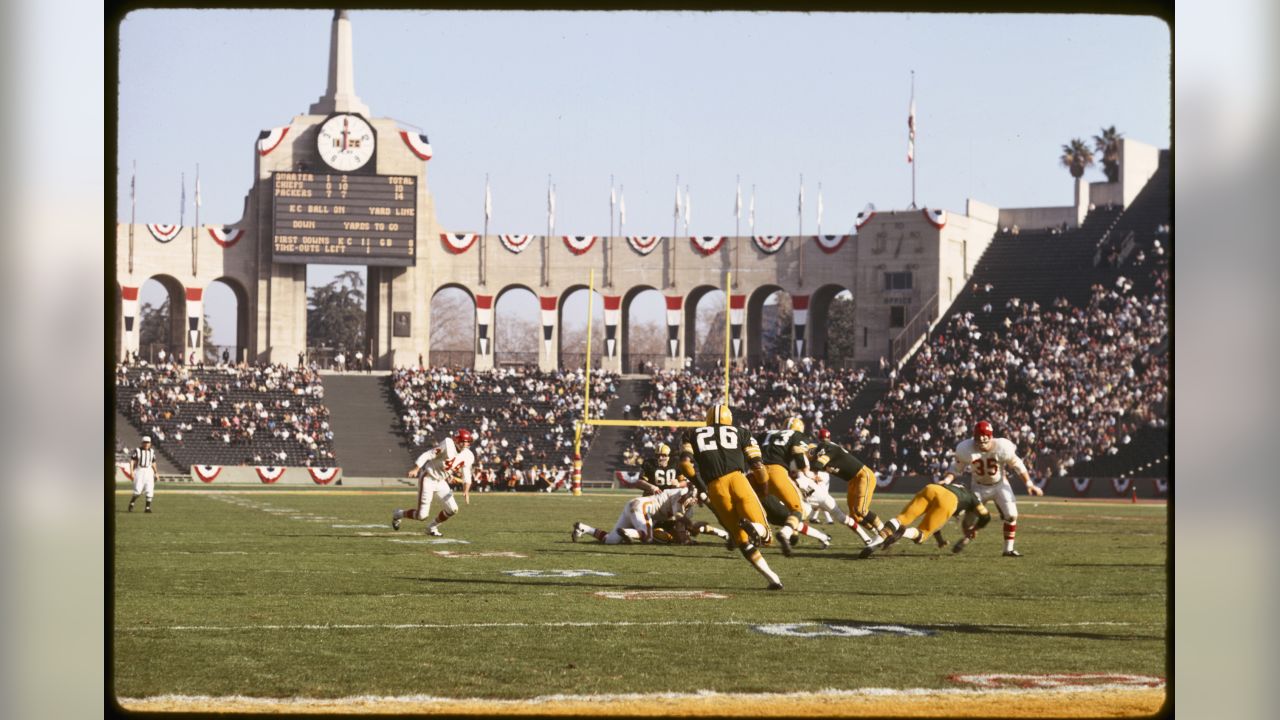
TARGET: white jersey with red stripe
(444,461)
(662,506)
(987,468)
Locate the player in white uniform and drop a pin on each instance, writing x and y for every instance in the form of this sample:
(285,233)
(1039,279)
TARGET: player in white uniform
(434,469)
(986,457)
(142,465)
(639,515)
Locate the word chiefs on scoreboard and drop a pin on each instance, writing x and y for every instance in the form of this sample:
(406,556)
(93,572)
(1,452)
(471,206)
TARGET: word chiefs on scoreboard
(344,219)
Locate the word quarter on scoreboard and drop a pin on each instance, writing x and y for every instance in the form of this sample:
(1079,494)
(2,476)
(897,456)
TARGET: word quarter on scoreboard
(344,219)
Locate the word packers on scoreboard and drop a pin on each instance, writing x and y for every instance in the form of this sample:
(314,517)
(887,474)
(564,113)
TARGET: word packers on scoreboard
(344,219)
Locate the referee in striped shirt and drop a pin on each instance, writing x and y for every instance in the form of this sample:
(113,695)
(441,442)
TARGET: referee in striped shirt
(142,465)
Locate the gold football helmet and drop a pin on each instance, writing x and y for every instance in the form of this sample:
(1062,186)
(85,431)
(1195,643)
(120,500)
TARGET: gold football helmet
(795,424)
(719,415)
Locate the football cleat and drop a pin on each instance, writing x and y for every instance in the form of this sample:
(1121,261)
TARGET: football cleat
(576,532)
(774,586)
(130,508)
(434,532)
(395,521)
(867,552)
(961,544)
(1012,553)
(824,543)
(784,542)
(147,510)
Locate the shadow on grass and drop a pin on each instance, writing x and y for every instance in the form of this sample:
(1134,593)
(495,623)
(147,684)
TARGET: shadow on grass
(990,630)
(582,583)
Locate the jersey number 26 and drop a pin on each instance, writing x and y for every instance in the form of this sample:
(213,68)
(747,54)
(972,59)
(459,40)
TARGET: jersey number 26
(707,436)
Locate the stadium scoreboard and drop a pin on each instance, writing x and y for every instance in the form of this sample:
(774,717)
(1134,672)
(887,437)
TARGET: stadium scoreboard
(344,219)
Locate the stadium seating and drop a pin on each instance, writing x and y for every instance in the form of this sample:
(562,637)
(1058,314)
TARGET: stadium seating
(224,415)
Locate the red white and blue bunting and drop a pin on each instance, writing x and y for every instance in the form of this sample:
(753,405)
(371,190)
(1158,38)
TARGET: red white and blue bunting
(548,321)
(516,243)
(831,243)
(674,303)
(225,236)
(269,474)
(458,243)
(164,233)
(269,140)
(885,481)
(1161,485)
(612,311)
(769,244)
(737,313)
(643,244)
(323,476)
(707,244)
(579,244)
(418,144)
(861,219)
(1121,484)
(484,318)
(936,218)
(1042,483)
(195,311)
(207,473)
(129,308)
(1081,485)
(799,319)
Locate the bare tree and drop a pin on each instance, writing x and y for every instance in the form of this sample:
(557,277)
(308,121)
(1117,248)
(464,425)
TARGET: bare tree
(453,321)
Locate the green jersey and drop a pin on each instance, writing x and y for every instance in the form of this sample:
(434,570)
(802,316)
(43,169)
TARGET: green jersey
(718,450)
(837,461)
(782,447)
(664,477)
(965,497)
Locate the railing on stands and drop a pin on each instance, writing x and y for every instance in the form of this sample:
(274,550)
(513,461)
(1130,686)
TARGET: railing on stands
(515,359)
(1102,241)
(642,362)
(916,328)
(461,359)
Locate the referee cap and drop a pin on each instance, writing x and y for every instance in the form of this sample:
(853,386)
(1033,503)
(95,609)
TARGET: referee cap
(146,438)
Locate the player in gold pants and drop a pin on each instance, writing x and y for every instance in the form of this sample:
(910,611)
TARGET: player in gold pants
(937,503)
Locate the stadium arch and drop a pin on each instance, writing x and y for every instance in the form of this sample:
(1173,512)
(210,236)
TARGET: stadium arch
(452,317)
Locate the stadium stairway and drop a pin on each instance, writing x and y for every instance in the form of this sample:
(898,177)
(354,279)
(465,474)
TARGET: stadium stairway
(608,443)
(127,436)
(363,419)
(872,390)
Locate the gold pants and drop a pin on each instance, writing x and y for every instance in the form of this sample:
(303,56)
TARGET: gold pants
(780,486)
(861,487)
(936,503)
(732,500)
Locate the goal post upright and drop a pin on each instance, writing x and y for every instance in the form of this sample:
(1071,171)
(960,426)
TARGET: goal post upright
(586,393)
(728,289)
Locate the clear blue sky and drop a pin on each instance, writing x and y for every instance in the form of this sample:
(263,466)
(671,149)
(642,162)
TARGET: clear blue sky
(645,97)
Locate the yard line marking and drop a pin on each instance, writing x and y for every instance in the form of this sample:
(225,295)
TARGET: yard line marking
(564,623)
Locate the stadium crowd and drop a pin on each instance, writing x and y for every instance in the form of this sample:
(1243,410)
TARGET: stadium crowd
(1066,384)
(228,415)
(523,420)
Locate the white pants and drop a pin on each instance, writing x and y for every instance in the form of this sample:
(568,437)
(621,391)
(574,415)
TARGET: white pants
(144,482)
(633,517)
(439,488)
(1002,493)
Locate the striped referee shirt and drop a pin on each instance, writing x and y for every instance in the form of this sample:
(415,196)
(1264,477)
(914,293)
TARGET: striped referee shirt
(144,457)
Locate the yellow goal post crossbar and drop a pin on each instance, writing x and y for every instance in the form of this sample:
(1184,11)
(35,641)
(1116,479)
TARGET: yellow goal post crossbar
(644,423)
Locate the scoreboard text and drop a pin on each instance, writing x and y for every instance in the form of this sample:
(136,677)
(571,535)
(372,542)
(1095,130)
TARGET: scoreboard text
(344,219)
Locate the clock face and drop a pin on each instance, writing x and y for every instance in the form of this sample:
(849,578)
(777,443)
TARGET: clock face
(345,142)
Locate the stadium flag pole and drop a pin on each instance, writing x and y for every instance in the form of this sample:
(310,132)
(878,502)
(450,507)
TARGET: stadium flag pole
(728,291)
(133,212)
(586,394)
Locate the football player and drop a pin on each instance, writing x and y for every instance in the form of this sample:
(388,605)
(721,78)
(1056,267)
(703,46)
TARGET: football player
(639,515)
(434,469)
(717,456)
(937,503)
(986,457)
(657,473)
(840,463)
(781,452)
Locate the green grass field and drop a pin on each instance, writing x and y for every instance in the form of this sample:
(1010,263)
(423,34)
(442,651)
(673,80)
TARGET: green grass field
(279,593)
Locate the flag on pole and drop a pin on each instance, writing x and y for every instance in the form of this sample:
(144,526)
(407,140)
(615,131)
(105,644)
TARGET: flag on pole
(551,207)
(800,203)
(911,128)
(612,200)
(677,213)
(133,190)
(488,201)
(688,207)
(751,214)
(737,203)
(182,207)
(622,207)
(197,190)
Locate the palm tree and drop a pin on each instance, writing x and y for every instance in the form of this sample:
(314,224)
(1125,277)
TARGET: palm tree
(1076,156)
(1108,146)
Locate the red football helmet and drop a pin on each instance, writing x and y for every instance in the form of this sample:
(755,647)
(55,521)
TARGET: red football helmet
(463,436)
(983,429)
(824,434)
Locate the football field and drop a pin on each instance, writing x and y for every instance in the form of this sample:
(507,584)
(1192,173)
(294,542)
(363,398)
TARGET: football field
(305,600)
